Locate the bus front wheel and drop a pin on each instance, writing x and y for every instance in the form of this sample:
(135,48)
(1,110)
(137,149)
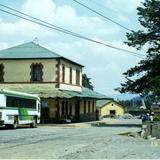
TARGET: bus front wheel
(34,123)
(15,124)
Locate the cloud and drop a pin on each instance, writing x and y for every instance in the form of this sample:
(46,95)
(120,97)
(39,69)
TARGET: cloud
(64,16)
(40,9)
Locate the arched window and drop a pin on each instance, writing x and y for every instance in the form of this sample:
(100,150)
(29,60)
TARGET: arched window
(1,73)
(36,72)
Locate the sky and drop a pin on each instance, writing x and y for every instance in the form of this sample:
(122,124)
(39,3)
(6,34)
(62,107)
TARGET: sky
(103,65)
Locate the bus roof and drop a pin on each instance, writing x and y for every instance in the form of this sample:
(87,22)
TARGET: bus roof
(18,94)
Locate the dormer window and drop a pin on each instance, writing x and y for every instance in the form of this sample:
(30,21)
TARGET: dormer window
(1,73)
(36,72)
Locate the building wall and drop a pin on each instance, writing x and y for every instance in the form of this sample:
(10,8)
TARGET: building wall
(90,114)
(87,116)
(19,70)
(105,110)
(67,85)
(52,105)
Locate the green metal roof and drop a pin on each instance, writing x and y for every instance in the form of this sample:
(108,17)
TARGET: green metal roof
(50,92)
(86,93)
(27,50)
(30,50)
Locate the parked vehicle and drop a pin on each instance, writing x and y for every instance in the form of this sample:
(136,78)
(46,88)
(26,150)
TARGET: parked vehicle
(17,108)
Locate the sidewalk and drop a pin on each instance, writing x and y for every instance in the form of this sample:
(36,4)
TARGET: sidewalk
(106,122)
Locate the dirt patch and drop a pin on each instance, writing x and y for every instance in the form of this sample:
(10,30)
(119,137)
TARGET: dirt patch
(131,134)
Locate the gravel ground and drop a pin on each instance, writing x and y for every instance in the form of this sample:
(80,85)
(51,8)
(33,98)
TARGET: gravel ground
(74,143)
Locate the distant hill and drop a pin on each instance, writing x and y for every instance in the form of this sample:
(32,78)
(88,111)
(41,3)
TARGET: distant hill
(135,103)
(123,96)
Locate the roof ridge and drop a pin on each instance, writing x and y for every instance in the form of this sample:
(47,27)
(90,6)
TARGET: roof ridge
(48,49)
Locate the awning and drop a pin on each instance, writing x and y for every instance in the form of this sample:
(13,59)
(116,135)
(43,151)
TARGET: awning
(51,92)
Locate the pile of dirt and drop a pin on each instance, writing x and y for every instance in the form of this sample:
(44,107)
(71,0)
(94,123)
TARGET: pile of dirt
(127,116)
(131,134)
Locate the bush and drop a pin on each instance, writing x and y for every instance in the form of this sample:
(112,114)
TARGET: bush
(157,117)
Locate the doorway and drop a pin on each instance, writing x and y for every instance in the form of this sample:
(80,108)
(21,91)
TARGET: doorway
(77,111)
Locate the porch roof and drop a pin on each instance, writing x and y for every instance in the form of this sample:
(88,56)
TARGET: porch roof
(50,92)
(86,93)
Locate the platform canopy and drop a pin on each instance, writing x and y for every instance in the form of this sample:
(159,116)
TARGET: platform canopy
(51,92)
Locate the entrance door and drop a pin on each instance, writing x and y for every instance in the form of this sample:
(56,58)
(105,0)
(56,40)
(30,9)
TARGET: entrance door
(44,115)
(112,113)
(77,111)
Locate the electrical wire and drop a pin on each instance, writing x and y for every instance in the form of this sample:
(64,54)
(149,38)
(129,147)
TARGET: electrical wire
(60,29)
(103,16)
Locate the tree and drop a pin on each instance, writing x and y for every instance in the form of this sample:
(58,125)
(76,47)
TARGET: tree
(86,82)
(145,77)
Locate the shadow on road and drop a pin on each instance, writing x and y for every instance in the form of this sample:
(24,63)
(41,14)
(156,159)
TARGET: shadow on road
(19,127)
(101,124)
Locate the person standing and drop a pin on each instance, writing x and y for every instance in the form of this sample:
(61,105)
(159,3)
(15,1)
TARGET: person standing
(151,116)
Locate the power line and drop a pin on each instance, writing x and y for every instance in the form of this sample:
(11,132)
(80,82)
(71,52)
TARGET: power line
(48,25)
(34,18)
(100,14)
(102,6)
(76,35)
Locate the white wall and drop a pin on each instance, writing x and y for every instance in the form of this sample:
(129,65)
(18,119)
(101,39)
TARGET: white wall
(67,72)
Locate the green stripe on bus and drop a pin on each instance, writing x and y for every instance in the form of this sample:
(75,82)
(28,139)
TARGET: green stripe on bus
(16,108)
(9,108)
(23,113)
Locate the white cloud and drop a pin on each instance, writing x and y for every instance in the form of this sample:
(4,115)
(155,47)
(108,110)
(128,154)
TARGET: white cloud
(67,17)
(40,8)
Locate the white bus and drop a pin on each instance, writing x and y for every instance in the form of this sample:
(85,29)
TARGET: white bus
(17,108)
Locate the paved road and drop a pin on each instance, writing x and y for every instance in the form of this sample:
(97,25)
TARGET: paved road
(91,142)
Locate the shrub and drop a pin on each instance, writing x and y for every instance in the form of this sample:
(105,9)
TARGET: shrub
(156,117)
